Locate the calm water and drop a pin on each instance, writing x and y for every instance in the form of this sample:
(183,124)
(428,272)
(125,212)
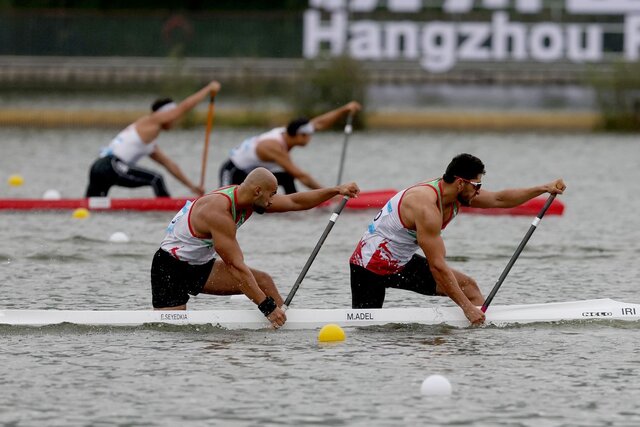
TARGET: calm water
(567,374)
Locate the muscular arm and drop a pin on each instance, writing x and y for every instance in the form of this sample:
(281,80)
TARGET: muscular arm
(515,196)
(187,104)
(272,151)
(326,120)
(159,156)
(214,218)
(309,199)
(428,221)
(149,126)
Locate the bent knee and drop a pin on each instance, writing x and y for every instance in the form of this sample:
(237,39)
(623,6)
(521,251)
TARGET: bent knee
(470,288)
(468,283)
(263,278)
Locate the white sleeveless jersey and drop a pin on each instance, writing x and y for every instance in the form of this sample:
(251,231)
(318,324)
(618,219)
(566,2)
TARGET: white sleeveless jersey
(246,158)
(128,146)
(387,245)
(183,243)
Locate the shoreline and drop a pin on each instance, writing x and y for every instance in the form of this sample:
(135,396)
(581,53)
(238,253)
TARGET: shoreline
(498,120)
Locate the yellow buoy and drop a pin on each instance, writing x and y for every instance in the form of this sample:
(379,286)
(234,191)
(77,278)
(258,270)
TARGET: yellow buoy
(331,333)
(81,213)
(16,180)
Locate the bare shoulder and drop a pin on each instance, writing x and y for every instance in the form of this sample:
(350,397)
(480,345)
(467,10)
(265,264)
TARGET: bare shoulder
(272,150)
(210,210)
(271,144)
(420,196)
(213,203)
(418,203)
(148,127)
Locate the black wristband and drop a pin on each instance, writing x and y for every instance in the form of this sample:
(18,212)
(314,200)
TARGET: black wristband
(267,306)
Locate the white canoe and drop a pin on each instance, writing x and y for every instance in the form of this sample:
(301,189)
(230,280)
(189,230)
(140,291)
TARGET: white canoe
(301,318)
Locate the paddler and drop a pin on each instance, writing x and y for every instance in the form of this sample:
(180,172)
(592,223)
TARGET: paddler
(200,252)
(413,219)
(117,163)
(271,150)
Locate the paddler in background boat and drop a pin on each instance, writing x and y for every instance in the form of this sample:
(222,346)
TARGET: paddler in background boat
(117,162)
(271,150)
(413,219)
(200,252)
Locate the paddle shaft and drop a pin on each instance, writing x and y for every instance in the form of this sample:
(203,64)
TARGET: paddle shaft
(348,128)
(205,152)
(327,229)
(515,256)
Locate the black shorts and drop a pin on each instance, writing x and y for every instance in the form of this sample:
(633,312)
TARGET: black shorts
(109,171)
(368,288)
(230,174)
(172,280)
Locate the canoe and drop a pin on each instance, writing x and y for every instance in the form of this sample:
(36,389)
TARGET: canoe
(304,318)
(366,200)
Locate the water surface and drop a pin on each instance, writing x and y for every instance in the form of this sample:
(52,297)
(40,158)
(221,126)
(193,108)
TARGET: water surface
(562,374)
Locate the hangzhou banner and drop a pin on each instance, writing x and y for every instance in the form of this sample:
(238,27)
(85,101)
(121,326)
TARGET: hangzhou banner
(578,31)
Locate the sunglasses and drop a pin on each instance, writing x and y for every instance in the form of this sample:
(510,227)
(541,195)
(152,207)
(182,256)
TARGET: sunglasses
(476,185)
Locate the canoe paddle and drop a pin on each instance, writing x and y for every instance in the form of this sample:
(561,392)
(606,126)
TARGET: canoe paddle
(366,199)
(515,256)
(205,153)
(348,128)
(332,221)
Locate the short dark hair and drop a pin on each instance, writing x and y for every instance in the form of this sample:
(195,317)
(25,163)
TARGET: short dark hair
(464,166)
(294,125)
(159,103)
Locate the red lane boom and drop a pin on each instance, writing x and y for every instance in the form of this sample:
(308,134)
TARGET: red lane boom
(366,200)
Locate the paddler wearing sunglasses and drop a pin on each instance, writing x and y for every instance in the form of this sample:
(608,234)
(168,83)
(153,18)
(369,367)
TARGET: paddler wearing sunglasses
(413,219)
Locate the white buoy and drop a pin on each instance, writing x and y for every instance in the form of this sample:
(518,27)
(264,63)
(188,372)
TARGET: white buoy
(119,237)
(51,194)
(436,385)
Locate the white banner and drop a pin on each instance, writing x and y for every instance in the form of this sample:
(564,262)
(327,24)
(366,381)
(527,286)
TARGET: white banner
(330,27)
